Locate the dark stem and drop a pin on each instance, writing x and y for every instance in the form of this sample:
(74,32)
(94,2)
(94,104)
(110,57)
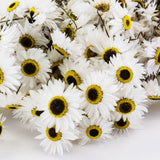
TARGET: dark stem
(19,88)
(103,23)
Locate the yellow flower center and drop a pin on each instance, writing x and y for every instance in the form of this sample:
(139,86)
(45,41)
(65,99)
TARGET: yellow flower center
(52,134)
(94,94)
(108,53)
(103,7)
(69,32)
(13,6)
(55,65)
(36,112)
(32,11)
(26,41)
(94,132)
(157,56)
(124,74)
(89,53)
(13,107)
(125,106)
(1,129)
(58,106)
(72,77)
(1,77)
(29,68)
(121,124)
(60,51)
(154,97)
(127,22)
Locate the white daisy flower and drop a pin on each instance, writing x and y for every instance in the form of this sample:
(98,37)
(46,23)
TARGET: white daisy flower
(84,12)
(61,105)
(131,104)
(9,73)
(64,45)
(112,46)
(34,67)
(69,31)
(56,141)
(122,23)
(99,93)
(94,130)
(149,15)
(11,101)
(31,36)
(152,89)
(122,126)
(29,112)
(126,71)
(73,71)
(2,127)
(152,52)
(87,49)
(14,9)
(42,12)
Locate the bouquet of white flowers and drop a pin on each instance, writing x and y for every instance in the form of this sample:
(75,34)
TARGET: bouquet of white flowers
(80,70)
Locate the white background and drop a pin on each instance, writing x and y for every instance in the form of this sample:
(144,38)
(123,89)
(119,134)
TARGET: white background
(141,144)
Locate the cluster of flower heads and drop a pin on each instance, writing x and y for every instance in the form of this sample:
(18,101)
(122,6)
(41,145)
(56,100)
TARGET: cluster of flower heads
(78,69)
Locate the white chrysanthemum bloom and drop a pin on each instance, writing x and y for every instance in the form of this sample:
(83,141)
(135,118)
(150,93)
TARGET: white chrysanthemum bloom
(121,126)
(126,71)
(31,36)
(94,130)
(149,15)
(112,46)
(14,9)
(73,71)
(132,104)
(34,67)
(11,101)
(9,73)
(84,12)
(2,127)
(152,52)
(99,93)
(56,141)
(42,12)
(61,105)
(87,49)
(9,36)
(29,112)
(122,23)
(64,46)
(152,89)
